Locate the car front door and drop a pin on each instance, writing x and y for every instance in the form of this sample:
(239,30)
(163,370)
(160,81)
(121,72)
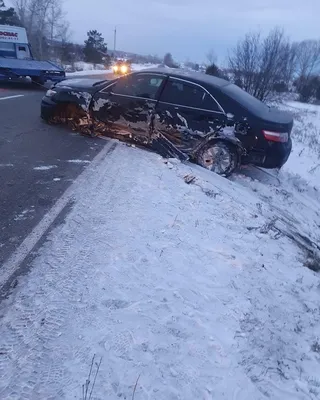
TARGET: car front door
(126,107)
(186,112)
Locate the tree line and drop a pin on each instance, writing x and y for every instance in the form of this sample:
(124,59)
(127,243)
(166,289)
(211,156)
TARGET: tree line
(259,64)
(262,65)
(49,33)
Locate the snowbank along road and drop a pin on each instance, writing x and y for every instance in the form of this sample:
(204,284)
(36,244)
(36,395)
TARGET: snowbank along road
(182,283)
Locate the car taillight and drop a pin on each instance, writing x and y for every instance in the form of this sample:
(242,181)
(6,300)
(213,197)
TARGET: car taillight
(281,137)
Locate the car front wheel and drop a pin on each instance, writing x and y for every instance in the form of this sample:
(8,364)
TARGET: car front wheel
(219,157)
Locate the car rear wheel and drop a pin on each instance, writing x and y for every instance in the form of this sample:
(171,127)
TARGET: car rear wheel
(218,157)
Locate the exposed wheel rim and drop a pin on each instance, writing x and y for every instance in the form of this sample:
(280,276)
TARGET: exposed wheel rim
(217,159)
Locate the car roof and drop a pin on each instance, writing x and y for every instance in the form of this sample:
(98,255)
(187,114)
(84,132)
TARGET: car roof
(197,77)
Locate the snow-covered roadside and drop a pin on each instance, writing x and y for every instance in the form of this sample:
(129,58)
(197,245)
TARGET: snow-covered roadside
(188,286)
(87,71)
(304,161)
(139,67)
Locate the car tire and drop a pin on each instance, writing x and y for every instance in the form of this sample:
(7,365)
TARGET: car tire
(219,157)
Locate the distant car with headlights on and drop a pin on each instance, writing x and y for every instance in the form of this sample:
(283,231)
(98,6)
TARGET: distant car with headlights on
(121,68)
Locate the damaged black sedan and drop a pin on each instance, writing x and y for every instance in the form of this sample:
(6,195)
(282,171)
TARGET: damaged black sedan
(179,114)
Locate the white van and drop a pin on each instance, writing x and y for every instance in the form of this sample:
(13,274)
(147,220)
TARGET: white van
(14,43)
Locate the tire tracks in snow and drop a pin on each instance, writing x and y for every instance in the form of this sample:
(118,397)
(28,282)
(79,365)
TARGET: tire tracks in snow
(31,347)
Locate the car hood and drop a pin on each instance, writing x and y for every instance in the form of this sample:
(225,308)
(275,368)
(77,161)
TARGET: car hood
(81,84)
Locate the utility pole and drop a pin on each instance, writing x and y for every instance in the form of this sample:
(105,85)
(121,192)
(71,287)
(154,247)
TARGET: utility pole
(115,38)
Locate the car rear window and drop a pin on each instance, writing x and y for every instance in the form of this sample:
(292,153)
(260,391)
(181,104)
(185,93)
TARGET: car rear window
(245,99)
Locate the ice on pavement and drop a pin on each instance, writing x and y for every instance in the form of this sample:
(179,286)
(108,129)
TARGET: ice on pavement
(25,214)
(196,288)
(44,167)
(77,161)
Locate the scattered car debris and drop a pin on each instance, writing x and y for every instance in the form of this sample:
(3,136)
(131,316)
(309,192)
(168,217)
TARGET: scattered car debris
(313,263)
(189,179)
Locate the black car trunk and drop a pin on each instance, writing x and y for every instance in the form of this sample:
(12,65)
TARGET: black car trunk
(275,120)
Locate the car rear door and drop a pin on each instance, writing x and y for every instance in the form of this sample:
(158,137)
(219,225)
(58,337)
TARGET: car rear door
(127,106)
(186,112)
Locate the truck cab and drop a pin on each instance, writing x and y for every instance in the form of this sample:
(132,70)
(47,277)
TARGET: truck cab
(14,43)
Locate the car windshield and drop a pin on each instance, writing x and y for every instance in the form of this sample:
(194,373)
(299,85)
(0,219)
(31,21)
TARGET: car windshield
(245,99)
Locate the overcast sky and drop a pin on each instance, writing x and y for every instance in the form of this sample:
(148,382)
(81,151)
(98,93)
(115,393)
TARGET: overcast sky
(189,28)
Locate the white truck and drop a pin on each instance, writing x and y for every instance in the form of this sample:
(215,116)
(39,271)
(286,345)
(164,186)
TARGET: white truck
(17,62)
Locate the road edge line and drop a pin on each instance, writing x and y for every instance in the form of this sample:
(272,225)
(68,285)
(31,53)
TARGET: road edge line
(11,97)
(13,263)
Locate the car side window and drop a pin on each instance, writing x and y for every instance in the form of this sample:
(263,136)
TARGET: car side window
(145,86)
(189,95)
(209,103)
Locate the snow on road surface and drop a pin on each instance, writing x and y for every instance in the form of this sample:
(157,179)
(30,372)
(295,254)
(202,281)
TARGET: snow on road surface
(199,290)
(79,161)
(44,167)
(87,71)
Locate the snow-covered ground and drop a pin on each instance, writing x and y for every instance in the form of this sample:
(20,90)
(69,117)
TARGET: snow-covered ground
(88,69)
(89,72)
(186,291)
(304,160)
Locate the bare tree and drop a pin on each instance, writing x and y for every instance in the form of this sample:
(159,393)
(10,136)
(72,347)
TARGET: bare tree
(59,27)
(21,9)
(168,61)
(44,20)
(289,62)
(308,58)
(212,57)
(244,61)
(259,63)
(307,65)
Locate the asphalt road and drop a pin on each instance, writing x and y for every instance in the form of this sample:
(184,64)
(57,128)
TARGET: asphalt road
(37,164)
